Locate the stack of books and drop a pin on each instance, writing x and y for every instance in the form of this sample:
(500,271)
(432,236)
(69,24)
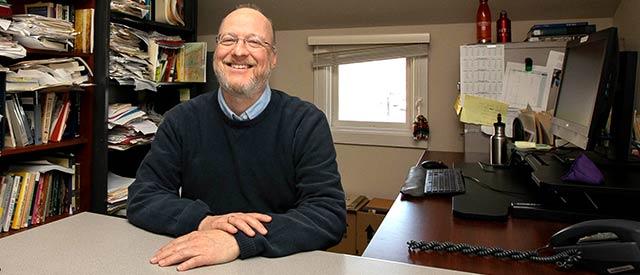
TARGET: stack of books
(559,31)
(32,191)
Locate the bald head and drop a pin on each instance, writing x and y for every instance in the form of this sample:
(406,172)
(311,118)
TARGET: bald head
(248,16)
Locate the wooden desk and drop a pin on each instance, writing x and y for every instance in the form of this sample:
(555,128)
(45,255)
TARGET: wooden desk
(431,219)
(88,243)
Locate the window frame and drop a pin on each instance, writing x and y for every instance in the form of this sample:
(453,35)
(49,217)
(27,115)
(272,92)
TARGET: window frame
(373,133)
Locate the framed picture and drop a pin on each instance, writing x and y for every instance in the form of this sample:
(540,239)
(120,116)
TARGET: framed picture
(44,9)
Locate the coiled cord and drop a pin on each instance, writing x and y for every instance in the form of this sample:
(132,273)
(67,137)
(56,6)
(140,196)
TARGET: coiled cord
(565,259)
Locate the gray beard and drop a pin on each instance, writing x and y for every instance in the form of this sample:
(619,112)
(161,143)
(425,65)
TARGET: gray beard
(250,89)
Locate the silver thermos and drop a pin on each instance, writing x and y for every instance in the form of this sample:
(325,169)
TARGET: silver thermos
(498,150)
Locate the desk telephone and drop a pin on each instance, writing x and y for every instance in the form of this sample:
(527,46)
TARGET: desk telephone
(608,246)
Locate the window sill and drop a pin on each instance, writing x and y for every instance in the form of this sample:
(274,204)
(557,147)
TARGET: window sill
(376,138)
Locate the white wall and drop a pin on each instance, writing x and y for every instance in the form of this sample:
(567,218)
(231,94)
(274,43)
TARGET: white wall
(380,171)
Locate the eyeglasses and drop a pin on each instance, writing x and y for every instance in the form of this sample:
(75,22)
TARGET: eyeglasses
(253,42)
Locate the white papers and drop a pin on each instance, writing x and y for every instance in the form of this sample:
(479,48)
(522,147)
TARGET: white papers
(522,88)
(130,126)
(4,24)
(37,74)
(117,191)
(10,48)
(145,127)
(555,60)
(130,7)
(115,182)
(481,70)
(41,166)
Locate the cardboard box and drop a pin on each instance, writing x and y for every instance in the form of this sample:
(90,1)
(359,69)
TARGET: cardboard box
(368,220)
(348,243)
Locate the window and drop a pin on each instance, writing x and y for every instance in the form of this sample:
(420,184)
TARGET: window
(371,87)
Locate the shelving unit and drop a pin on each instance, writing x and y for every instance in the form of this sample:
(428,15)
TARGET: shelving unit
(80,146)
(108,91)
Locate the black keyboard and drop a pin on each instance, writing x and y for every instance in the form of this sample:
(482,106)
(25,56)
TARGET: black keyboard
(444,182)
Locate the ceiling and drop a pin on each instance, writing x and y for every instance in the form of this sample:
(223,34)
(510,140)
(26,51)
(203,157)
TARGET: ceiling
(321,14)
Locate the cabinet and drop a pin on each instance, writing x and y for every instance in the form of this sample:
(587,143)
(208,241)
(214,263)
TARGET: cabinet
(108,91)
(77,147)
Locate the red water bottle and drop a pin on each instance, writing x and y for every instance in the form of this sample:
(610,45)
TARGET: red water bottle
(483,23)
(503,28)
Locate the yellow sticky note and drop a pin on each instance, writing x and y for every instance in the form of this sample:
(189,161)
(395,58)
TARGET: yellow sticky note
(457,105)
(483,111)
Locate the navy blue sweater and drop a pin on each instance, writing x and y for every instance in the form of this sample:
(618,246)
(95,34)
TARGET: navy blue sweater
(281,163)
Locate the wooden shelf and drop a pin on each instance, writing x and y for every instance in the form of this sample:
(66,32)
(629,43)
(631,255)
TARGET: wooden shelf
(147,25)
(59,89)
(51,54)
(163,85)
(48,220)
(43,147)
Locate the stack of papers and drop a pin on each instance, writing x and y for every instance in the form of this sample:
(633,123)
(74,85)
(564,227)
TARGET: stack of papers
(45,73)
(130,126)
(117,192)
(169,11)
(128,63)
(130,7)
(10,48)
(39,32)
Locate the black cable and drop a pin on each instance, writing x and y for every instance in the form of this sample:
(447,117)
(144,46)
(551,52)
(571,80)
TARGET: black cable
(565,259)
(492,188)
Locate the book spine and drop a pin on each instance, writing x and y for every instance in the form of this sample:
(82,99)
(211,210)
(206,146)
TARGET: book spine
(3,87)
(3,191)
(568,37)
(564,30)
(35,209)
(47,114)
(49,197)
(6,200)
(37,119)
(559,25)
(12,203)
(17,215)
(33,182)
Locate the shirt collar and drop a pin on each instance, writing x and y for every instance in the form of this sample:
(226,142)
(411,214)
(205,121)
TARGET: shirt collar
(252,112)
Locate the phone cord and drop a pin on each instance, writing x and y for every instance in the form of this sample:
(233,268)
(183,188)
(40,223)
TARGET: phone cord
(565,259)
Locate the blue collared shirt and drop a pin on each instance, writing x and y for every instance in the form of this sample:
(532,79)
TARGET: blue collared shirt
(252,112)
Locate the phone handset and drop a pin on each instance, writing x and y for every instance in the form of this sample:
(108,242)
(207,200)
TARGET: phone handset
(607,246)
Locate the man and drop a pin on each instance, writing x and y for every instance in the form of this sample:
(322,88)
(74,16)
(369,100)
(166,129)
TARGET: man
(243,171)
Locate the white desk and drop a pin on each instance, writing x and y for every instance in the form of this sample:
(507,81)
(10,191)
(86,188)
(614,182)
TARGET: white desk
(89,243)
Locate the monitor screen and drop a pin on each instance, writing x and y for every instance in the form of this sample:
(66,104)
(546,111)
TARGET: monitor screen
(587,76)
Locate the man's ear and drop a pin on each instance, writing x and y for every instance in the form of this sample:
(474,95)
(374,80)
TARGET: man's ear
(274,60)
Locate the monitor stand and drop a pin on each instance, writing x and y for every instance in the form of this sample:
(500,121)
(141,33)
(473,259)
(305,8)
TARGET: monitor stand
(490,197)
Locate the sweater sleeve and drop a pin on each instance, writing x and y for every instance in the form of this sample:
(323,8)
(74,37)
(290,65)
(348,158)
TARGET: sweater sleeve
(319,219)
(154,202)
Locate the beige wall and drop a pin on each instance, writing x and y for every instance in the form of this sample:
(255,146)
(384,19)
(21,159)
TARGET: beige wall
(628,23)
(380,171)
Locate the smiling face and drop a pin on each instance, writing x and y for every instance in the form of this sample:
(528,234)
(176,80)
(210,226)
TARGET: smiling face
(242,68)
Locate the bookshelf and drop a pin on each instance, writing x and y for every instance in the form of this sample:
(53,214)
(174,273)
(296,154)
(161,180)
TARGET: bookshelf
(108,91)
(78,145)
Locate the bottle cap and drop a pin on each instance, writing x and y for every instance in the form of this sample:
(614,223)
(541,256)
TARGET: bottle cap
(499,123)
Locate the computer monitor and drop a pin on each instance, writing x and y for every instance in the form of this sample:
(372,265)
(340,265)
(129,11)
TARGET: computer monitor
(586,89)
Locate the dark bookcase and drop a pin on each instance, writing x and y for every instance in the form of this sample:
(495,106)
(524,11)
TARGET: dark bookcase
(80,145)
(125,163)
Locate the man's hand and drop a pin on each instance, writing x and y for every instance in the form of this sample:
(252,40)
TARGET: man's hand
(198,248)
(232,222)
